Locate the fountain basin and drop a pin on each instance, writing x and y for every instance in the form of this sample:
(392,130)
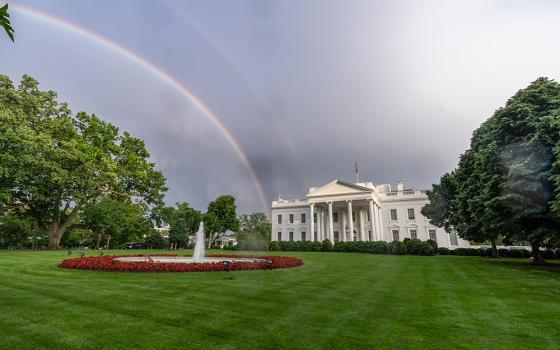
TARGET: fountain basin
(174,263)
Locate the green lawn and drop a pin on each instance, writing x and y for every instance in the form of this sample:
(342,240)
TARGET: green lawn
(334,301)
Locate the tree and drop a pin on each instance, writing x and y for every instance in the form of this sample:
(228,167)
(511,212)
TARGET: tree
(116,220)
(508,182)
(254,232)
(154,241)
(183,221)
(17,230)
(53,163)
(5,21)
(220,217)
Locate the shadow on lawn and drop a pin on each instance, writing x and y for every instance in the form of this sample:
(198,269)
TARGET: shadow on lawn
(526,264)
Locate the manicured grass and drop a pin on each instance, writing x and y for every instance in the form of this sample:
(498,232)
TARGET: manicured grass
(334,301)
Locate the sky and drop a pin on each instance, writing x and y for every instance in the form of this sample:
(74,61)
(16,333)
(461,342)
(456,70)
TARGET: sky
(303,89)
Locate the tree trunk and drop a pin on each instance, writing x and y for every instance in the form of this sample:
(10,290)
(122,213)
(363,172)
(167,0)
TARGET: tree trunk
(108,241)
(537,257)
(494,249)
(55,234)
(98,241)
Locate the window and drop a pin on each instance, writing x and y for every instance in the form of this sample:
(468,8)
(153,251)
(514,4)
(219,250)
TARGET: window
(315,217)
(353,217)
(411,214)
(316,238)
(303,235)
(279,236)
(453,238)
(336,238)
(335,217)
(367,214)
(432,235)
(291,218)
(394,214)
(395,235)
(413,234)
(303,218)
(291,236)
(279,219)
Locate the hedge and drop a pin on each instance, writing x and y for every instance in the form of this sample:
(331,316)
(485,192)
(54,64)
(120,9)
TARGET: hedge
(467,251)
(443,251)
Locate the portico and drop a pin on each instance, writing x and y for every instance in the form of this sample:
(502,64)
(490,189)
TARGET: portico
(349,210)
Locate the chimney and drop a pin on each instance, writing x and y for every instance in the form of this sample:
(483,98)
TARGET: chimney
(400,186)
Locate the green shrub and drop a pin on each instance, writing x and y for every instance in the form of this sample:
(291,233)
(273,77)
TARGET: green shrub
(548,254)
(378,247)
(486,252)
(326,246)
(466,251)
(417,247)
(504,253)
(443,251)
(556,255)
(316,246)
(515,253)
(275,246)
(433,244)
(398,248)
(526,253)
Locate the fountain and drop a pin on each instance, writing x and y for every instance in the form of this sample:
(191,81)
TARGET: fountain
(199,247)
(199,254)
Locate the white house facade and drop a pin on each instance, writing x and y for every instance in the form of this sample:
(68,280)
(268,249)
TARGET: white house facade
(344,211)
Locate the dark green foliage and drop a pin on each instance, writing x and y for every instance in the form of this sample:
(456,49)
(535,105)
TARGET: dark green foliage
(504,252)
(183,221)
(467,251)
(326,246)
(154,240)
(254,232)
(548,254)
(443,251)
(252,242)
(5,21)
(508,182)
(275,246)
(17,231)
(433,244)
(486,252)
(417,247)
(397,248)
(220,217)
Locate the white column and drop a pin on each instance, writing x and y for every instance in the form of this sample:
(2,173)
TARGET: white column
(361,223)
(342,235)
(321,220)
(311,223)
(331,231)
(372,221)
(350,222)
(379,225)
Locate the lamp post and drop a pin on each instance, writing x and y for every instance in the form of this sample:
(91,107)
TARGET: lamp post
(269,264)
(81,254)
(226,265)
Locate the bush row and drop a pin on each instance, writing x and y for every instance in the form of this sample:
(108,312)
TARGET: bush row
(408,246)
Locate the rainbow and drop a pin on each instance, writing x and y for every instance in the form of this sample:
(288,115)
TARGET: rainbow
(158,72)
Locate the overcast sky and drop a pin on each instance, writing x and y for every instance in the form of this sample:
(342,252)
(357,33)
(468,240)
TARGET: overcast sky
(306,87)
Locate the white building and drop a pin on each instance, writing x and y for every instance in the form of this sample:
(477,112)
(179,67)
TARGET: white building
(377,214)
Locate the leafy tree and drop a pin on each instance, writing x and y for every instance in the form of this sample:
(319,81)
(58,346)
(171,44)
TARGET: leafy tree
(16,230)
(183,221)
(116,220)
(254,231)
(154,241)
(53,163)
(220,217)
(508,182)
(5,21)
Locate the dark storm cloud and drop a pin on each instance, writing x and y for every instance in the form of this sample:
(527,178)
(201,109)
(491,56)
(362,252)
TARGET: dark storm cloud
(306,87)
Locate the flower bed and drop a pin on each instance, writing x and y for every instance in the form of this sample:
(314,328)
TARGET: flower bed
(106,263)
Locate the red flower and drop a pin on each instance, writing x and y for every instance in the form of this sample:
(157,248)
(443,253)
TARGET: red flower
(107,263)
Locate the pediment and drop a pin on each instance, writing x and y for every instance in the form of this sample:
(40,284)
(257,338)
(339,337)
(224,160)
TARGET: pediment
(338,187)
